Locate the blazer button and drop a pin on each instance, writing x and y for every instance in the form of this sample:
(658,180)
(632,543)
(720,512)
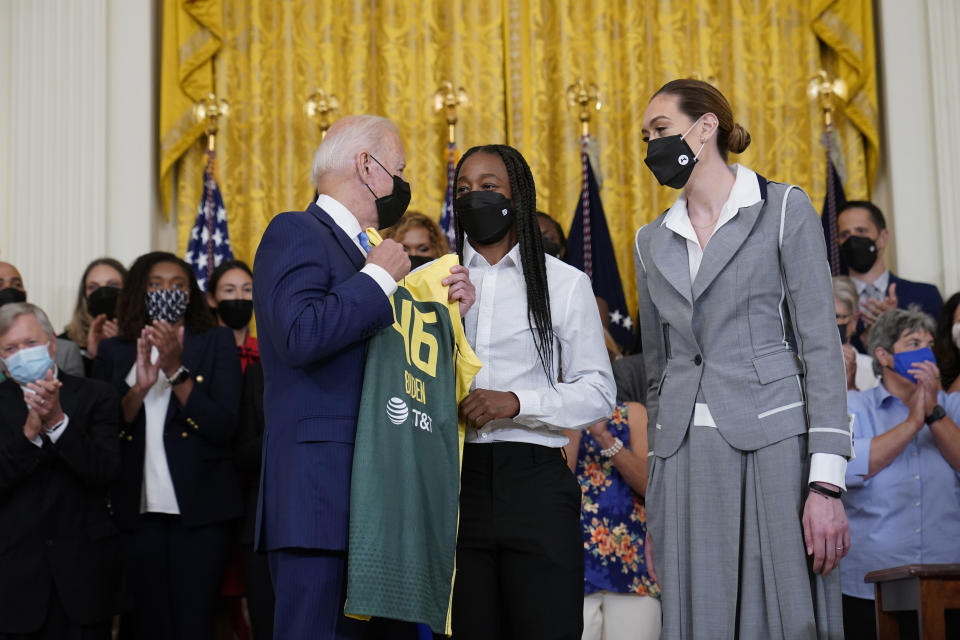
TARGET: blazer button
(199,378)
(698,360)
(184,434)
(129,438)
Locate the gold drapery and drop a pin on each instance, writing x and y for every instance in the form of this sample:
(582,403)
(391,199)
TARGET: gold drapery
(516,58)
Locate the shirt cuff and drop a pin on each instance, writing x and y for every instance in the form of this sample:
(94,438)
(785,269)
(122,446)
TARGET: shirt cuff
(57,430)
(383,279)
(830,468)
(37,440)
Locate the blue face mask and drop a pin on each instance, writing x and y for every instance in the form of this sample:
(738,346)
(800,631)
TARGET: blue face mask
(905,360)
(30,364)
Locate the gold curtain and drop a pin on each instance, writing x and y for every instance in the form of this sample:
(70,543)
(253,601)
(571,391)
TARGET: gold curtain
(516,58)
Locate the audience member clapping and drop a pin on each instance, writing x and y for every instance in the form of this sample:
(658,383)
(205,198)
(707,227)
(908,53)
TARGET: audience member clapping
(95,311)
(846,305)
(902,485)
(946,344)
(179,379)
(59,451)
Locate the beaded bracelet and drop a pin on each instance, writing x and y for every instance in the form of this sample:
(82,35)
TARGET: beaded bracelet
(613,449)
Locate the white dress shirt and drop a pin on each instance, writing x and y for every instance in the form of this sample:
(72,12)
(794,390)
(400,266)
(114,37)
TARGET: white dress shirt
(824,467)
(157,494)
(498,330)
(876,290)
(348,222)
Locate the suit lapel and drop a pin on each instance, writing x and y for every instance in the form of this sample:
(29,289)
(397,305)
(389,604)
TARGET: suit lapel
(669,252)
(345,242)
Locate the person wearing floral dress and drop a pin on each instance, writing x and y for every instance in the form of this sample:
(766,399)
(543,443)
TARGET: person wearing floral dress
(621,600)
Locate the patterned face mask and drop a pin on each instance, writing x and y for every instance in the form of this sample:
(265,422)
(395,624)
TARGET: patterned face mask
(166,304)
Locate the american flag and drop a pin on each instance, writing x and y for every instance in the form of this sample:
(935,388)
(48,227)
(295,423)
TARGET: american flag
(833,200)
(446,217)
(590,248)
(209,240)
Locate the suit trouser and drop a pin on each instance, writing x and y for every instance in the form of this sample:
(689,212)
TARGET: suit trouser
(173,575)
(58,626)
(310,587)
(519,550)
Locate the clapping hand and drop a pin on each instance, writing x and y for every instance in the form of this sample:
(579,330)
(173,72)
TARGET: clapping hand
(169,342)
(147,370)
(43,398)
(873,308)
(101,329)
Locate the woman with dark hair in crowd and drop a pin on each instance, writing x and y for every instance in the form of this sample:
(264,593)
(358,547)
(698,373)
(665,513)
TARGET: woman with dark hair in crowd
(95,312)
(230,296)
(178,376)
(421,237)
(946,344)
(545,370)
(750,436)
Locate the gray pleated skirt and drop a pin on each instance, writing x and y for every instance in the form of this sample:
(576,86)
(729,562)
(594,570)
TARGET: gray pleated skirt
(728,543)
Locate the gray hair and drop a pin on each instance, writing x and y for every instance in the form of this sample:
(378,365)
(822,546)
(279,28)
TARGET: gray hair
(845,291)
(892,324)
(348,137)
(10,312)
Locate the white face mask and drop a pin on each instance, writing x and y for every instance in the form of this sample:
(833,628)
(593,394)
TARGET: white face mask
(956,334)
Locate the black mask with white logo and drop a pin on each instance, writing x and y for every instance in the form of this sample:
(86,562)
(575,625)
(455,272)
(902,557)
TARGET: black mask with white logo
(103,301)
(859,253)
(485,216)
(671,159)
(391,208)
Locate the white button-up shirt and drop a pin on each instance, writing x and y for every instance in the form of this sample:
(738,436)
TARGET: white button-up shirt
(499,332)
(348,222)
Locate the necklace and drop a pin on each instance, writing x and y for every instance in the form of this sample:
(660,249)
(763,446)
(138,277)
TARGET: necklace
(709,226)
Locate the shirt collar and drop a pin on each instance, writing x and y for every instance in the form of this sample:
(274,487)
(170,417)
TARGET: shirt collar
(340,214)
(472,258)
(881,396)
(745,192)
(882,283)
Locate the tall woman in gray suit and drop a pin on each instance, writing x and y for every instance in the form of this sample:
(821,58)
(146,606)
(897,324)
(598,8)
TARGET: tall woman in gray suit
(748,430)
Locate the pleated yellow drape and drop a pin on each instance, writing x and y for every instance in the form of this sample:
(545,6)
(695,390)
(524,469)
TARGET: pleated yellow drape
(516,58)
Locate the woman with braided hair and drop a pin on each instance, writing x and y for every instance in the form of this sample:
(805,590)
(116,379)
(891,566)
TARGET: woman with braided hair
(545,372)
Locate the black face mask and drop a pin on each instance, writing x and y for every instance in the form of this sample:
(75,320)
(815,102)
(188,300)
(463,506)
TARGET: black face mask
(10,294)
(235,314)
(859,253)
(843,333)
(485,216)
(392,207)
(671,159)
(550,247)
(103,301)
(418,261)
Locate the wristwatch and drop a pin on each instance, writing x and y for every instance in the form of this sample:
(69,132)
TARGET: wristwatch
(938,413)
(181,376)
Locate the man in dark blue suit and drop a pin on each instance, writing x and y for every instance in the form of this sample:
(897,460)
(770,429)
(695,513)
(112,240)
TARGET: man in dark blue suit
(863,234)
(320,292)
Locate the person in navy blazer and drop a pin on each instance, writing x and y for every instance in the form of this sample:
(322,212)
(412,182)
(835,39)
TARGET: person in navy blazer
(863,235)
(58,454)
(319,294)
(178,376)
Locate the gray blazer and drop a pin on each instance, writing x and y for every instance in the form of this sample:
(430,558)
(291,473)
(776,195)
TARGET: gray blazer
(727,338)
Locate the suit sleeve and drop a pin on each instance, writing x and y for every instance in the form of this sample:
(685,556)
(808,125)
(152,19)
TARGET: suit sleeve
(249,443)
(212,407)
(19,459)
(650,335)
(306,315)
(92,450)
(809,294)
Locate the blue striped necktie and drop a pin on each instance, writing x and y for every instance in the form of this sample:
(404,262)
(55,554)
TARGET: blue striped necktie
(364,242)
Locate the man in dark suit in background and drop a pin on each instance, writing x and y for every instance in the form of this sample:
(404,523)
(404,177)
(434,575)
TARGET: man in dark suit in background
(863,235)
(58,452)
(320,292)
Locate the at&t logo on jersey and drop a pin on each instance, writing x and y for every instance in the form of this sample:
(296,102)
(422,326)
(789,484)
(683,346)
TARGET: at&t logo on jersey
(398,412)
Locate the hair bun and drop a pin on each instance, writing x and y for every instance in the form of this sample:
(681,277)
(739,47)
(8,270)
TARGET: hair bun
(739,138)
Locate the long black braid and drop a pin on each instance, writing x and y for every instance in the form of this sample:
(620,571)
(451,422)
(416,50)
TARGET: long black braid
(531,247)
